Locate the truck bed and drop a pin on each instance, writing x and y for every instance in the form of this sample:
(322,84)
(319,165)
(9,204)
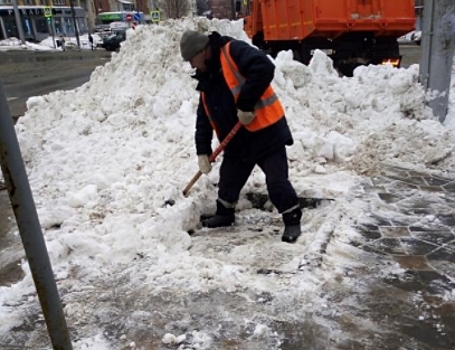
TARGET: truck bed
(301,19)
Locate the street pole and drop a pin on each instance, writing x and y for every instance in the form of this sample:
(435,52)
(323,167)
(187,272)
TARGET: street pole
(438,42)
(23,205)
(17,16)
(50,27)
(73,14)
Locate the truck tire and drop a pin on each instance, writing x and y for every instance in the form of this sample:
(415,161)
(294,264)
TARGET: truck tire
(302,54)
(346,69)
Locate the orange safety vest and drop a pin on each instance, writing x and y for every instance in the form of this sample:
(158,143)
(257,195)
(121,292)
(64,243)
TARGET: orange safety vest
(268,109)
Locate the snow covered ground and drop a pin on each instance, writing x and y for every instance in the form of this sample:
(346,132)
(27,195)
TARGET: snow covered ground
(47,44)
(106,159)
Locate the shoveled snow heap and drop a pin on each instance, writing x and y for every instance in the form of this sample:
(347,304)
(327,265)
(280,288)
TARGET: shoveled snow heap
(106,159)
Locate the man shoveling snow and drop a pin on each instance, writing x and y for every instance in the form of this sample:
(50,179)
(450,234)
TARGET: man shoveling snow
(234,84)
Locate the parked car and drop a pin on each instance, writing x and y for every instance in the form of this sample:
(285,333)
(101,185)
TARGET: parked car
(112,42)
(411,37)
(417,37)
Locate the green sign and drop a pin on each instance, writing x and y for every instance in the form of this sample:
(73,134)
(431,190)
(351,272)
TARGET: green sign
(155,15)
(47,11)
(110,16)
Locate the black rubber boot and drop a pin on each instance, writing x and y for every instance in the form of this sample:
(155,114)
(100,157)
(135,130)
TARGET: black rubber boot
(292,228)
(223,217)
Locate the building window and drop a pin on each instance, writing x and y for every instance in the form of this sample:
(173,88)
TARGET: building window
(58,25)
(6,2)
(43,2)
(59,2)
(125,7)
(29,2)
(82,25)
(41,25)
(69,28)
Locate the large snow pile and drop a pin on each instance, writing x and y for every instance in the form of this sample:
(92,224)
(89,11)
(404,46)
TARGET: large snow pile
(106,160)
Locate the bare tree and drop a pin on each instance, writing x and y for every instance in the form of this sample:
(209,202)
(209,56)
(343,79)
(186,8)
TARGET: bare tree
(222,8)
(175,8)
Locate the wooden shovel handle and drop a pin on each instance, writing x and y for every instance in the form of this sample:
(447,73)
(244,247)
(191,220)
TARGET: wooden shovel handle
(191,183)
(213,156)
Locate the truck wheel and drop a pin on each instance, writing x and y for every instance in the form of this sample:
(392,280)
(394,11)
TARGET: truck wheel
(297,55)
(302,54)
(346,69)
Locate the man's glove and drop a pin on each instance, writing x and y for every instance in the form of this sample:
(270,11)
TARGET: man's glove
(245,117)
(204,163)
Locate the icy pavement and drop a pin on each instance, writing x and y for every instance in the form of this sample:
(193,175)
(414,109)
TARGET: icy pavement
(393,285)
(416,229)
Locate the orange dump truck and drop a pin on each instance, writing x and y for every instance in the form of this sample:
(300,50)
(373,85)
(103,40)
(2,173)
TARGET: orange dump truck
(351,32)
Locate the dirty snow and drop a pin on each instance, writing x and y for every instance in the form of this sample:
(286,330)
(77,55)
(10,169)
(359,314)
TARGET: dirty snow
(106,160)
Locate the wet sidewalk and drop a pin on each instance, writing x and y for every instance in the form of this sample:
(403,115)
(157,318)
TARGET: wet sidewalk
(412,223)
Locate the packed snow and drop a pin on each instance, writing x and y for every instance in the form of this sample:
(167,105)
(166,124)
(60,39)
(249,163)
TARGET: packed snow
(107,163)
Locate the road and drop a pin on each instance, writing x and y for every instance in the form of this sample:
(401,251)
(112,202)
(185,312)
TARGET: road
(27,74)
(34,73)
(411,54)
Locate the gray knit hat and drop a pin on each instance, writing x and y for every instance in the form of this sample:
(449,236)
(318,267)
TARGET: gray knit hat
(192,43)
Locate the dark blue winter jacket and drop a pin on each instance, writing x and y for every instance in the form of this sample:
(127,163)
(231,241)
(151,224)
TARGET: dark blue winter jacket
(258,70)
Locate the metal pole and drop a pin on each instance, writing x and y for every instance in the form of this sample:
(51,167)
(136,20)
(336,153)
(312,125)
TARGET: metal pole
(17,16)
(76,31)
(438,39)
(50,27)
(30,230)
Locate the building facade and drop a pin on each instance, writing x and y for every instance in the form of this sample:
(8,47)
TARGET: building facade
(35,25)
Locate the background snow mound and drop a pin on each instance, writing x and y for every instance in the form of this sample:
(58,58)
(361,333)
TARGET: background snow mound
(115,153)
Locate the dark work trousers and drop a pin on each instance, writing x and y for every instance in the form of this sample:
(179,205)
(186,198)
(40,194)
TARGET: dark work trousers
(234,174)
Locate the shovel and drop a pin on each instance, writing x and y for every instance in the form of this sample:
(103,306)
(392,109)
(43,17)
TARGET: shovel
(213,156)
